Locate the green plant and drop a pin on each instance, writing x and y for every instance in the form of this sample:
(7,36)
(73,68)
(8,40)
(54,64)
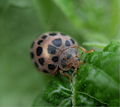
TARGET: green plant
(93,23)
(95,84)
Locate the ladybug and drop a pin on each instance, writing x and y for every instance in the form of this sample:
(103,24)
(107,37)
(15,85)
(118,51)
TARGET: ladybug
(56,52)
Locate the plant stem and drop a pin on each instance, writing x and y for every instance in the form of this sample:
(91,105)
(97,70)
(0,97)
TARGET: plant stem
(73,90)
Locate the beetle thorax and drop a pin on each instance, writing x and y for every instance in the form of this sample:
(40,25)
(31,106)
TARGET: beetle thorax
(69,59)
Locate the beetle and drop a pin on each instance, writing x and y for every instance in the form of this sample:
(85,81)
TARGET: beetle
(56,52)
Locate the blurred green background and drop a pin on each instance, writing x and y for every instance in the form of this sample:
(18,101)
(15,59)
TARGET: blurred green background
(92,22)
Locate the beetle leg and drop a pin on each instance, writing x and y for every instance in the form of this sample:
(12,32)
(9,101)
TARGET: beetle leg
(75,72)
(83,49)
(81,62)
(66,75)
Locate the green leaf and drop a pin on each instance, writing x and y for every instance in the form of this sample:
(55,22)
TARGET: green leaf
(21,21)
(95,84)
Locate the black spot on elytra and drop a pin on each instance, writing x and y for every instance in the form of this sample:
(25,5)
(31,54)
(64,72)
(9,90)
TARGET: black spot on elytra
(55,58)
(45,71)
(52,34)
(36,64)
(67,43)
(32,45)
(57,42)
(32,55)
(72,41)
(51,66)
(41,61)
(51,49)
(40,41)
(44,36)
(39,51)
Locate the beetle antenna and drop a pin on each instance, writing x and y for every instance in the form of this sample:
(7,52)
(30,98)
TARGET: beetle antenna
(83,49)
